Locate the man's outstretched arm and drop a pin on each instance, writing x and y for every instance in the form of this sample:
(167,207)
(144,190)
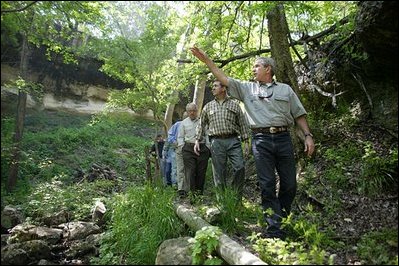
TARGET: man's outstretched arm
(216,71)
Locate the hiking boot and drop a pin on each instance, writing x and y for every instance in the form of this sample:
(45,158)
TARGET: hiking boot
(275,234)
(182,194)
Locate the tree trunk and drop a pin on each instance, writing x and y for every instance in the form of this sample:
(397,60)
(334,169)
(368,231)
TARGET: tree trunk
(280,48)
(175,96)
(169,114)
(232,252)
(19,125)
(199,92)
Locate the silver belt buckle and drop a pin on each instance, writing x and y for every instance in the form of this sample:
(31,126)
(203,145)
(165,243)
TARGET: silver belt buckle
(273,130)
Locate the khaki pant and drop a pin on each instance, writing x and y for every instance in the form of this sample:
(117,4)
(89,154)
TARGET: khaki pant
(182,184)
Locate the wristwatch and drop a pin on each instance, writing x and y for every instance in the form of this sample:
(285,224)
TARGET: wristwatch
(308,134)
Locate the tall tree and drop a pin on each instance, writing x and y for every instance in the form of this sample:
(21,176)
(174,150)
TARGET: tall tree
(199,91)
(21,110)
(237,32)
(280,48)
(180,53)
(144,62)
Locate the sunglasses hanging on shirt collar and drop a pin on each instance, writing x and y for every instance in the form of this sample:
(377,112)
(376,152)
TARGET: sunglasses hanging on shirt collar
(262,94)
(262,97)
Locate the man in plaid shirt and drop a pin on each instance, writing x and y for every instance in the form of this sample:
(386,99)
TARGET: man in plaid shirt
(227,127)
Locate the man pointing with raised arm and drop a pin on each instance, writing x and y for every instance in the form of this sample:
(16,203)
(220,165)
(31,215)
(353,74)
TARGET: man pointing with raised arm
(271,108)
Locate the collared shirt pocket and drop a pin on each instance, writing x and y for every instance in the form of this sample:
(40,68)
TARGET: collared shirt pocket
(233,109)
(232,112)
(282,103)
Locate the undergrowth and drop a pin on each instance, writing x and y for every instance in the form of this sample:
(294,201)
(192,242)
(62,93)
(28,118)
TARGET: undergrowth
(141,215)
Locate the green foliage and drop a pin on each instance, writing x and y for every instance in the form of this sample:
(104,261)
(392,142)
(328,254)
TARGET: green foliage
(146,61)
(313,16)
(340,155)
(7,127)
(142,218)
(54,25)
(19,195)
(341,159)
(379,248)
(306,243)
(377,172)
(204,246)
(77,199)
(50,120)
(129,98)
(48,184)
(62,150)
(306,250)
(49,198)
(307,229)
(230,208)
(32,88)
(53,151)
(278,252)
(328,185)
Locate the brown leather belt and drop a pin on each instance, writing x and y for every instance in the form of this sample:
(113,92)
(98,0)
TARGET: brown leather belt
(224,136)
(271,130)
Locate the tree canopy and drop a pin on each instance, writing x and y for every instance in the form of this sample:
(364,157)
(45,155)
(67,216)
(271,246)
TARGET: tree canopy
(145,44)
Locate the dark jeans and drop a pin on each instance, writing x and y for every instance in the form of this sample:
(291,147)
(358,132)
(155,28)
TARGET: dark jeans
(195,166)
(275,152)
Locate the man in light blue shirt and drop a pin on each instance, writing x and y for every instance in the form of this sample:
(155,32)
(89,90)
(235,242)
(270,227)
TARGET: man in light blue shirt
(272,107)
(177,167)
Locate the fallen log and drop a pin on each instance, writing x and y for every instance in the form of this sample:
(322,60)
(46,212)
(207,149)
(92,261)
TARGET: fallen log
(232,252)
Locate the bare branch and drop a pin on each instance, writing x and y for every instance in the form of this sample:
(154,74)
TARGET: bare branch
(361,84)
(19,9)
(261,30)
(292,43)
(333,96)
(249,26)
(308,38)
(233,22)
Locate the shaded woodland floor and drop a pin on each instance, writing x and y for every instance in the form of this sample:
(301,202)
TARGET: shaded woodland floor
(357,214)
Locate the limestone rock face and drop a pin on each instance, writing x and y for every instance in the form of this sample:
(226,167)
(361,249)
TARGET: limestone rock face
(80,88)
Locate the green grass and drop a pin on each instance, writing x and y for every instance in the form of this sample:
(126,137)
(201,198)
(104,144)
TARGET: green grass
(56,145)
(379,248)
(136,234)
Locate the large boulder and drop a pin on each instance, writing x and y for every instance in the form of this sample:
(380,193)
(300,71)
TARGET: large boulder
(176,251)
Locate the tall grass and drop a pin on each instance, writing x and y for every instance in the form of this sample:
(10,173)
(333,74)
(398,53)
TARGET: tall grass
(142,218)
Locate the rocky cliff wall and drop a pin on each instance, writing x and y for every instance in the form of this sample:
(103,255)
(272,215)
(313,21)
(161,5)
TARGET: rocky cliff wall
(74,96)
(59,93)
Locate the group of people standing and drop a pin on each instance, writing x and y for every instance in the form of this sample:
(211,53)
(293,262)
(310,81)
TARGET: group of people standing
(271,108)
(170,157)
